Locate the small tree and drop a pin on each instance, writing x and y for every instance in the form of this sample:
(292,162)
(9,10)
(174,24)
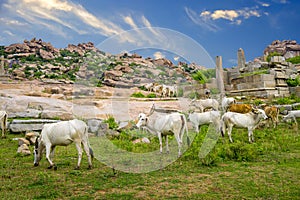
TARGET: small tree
(199,76)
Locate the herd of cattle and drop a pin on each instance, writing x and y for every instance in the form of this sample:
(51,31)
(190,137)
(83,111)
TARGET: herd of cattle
(162,90)
(162,124)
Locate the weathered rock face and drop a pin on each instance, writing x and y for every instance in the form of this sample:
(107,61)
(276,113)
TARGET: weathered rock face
(287,48)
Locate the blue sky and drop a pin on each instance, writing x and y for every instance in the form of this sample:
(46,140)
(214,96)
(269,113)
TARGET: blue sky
(210,27)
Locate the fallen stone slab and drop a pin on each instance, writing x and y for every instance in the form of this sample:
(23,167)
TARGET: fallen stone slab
(17,125)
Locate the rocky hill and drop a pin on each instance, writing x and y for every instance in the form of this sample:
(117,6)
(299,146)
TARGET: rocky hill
(285,48)
(84,63)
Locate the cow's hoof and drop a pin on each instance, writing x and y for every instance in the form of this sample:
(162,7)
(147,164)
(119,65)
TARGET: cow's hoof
(36,164)
(55,168)
(90,167)
(77,168)
(50,167)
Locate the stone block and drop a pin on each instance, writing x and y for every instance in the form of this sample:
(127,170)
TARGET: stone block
(17,126)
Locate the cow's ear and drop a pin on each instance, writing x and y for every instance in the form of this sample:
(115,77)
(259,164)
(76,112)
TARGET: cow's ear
(254,110)
(146,119)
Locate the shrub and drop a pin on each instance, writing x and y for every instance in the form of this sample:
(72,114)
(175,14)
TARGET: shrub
(138,95)
(272,54)
(283,101)
(199,76)
(112,124)
(151,95)
(294,60)
(293,82)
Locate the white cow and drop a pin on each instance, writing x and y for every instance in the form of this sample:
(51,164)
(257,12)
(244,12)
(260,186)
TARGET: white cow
(164,125)
(202,104)
(3,121)
(209,117)
(173,91)
(293,114)
(62,134)
(226,101)
(248,120)
(149,86)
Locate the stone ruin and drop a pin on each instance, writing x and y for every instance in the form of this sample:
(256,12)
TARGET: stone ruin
(261,78)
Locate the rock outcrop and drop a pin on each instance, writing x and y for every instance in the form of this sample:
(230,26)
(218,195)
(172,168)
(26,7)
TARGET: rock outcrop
(286,48)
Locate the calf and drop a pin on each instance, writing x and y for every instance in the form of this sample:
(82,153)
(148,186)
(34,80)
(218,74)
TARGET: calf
(293,114)
(272,113)
(209,117)
(62,134)
(164,125)
(203,104)
(240,108)
(248,120)
(226,101)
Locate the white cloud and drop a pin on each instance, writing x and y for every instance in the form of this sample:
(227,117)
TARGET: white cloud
(234,16)
(176,58)
(224,14)
(204,20)
(158,55)
(61,12)
(8,33)
(128,20)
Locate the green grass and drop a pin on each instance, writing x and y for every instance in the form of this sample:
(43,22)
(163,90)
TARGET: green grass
(267,169)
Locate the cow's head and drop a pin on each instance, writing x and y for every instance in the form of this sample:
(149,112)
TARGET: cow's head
(38,150)
(143,119)
(260,112)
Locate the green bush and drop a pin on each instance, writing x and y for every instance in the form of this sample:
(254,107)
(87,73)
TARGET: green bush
(112,124)
(151,95)
(283,101)
(199,76)
(138,95)
(294,60)
(293,82)
(273,54)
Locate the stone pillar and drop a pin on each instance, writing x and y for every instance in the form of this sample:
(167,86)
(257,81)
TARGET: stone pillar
(219,76)
(241,59)
(2,66)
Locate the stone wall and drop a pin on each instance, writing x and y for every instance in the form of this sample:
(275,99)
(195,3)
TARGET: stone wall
(260,85)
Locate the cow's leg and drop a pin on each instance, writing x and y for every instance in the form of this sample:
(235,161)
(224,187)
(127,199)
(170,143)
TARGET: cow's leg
(229,132)
(48,151)
(3,128)
(160,142)
(167,144)
(87,151)
(179,142)
(79,150)
(295,120)
(52,152)
(250,135)
(197,128)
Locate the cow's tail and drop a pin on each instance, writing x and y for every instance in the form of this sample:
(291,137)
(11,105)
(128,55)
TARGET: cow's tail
(88,142)
(5,122)
(184,128)
(222,126)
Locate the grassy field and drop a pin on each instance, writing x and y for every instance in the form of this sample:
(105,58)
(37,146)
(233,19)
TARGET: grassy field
(266,169)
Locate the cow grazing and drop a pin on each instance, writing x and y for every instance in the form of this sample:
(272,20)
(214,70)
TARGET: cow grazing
(240,108)
(163,125)
(209,117)
(248,120)
(203,104)
(226,101)
(293,114)
(62,134)
(149,86)
(272,113)
(3,121)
